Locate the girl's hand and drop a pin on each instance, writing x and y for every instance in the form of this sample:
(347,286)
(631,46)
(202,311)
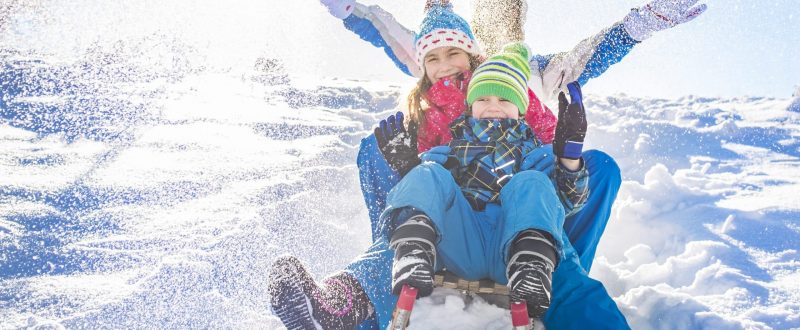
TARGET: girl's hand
(340,9)
(660,15)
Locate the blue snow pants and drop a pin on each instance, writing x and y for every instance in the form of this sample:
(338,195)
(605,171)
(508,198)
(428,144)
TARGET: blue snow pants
(473,244)
(577,301)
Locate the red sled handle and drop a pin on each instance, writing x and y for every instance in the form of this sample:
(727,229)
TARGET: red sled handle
(402,313)
(519,316)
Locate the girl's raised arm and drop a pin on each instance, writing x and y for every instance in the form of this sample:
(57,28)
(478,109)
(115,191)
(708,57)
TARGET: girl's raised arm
(589,59)
(381,29)
(592,56)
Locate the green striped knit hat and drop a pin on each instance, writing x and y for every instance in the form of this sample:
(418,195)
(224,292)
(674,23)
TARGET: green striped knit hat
(503,75)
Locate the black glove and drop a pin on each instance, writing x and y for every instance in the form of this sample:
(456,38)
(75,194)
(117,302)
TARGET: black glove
(398,145)
(571,127)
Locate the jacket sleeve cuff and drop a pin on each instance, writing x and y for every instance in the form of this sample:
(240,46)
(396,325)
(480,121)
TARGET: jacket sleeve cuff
(573,186)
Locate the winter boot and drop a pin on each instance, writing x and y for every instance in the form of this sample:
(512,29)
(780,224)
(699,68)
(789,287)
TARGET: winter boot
(300,303)
(413,242)
(530,270)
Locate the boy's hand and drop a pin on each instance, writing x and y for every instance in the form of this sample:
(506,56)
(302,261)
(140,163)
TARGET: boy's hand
(571,127)
(436,154)
(540,159)
(659,15)
(398,145)
(340,9)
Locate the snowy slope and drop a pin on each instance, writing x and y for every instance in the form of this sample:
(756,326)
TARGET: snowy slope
(154,159)
(170,214)
(159,202)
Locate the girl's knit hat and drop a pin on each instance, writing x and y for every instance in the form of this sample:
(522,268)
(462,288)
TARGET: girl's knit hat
(504,75)
(442,27)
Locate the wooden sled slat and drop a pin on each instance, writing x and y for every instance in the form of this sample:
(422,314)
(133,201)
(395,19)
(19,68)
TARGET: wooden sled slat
(446,279)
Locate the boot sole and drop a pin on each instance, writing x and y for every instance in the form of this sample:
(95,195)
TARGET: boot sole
(295,311)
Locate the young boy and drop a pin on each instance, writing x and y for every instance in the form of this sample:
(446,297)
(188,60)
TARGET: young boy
(489,216)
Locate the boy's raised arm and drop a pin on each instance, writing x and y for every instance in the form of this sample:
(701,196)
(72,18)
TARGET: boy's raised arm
(381,29)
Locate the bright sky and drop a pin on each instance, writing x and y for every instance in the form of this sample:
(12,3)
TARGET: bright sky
(736,48)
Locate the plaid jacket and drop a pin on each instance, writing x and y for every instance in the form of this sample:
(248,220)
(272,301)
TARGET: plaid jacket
(489,152)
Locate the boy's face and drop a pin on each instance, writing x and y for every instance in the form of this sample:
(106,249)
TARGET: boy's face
(493,107)
(445,62)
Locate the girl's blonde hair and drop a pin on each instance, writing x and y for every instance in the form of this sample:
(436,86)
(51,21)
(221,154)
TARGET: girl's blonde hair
(417,104)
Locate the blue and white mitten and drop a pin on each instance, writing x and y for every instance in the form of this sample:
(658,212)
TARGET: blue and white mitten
(660,15)
(340,9)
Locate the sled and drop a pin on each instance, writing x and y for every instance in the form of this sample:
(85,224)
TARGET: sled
(490,291)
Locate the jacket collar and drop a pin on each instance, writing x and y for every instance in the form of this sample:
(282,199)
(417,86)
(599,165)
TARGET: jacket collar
(490,130)
(447,92)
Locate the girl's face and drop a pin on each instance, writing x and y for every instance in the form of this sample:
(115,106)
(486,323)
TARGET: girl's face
(493,107)
(445,62)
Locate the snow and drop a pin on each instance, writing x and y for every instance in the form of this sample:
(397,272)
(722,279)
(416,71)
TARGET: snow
(154,191)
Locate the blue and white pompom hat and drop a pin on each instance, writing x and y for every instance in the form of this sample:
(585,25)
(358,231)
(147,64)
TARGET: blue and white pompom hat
(442,27)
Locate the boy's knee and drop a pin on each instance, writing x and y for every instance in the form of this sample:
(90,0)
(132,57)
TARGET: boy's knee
(528,186)
(428,169)
(534,179)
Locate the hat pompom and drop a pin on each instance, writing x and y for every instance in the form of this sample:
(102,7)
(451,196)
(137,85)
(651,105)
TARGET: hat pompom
(519,48)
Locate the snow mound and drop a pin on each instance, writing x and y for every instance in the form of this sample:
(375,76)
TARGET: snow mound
(795,105)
